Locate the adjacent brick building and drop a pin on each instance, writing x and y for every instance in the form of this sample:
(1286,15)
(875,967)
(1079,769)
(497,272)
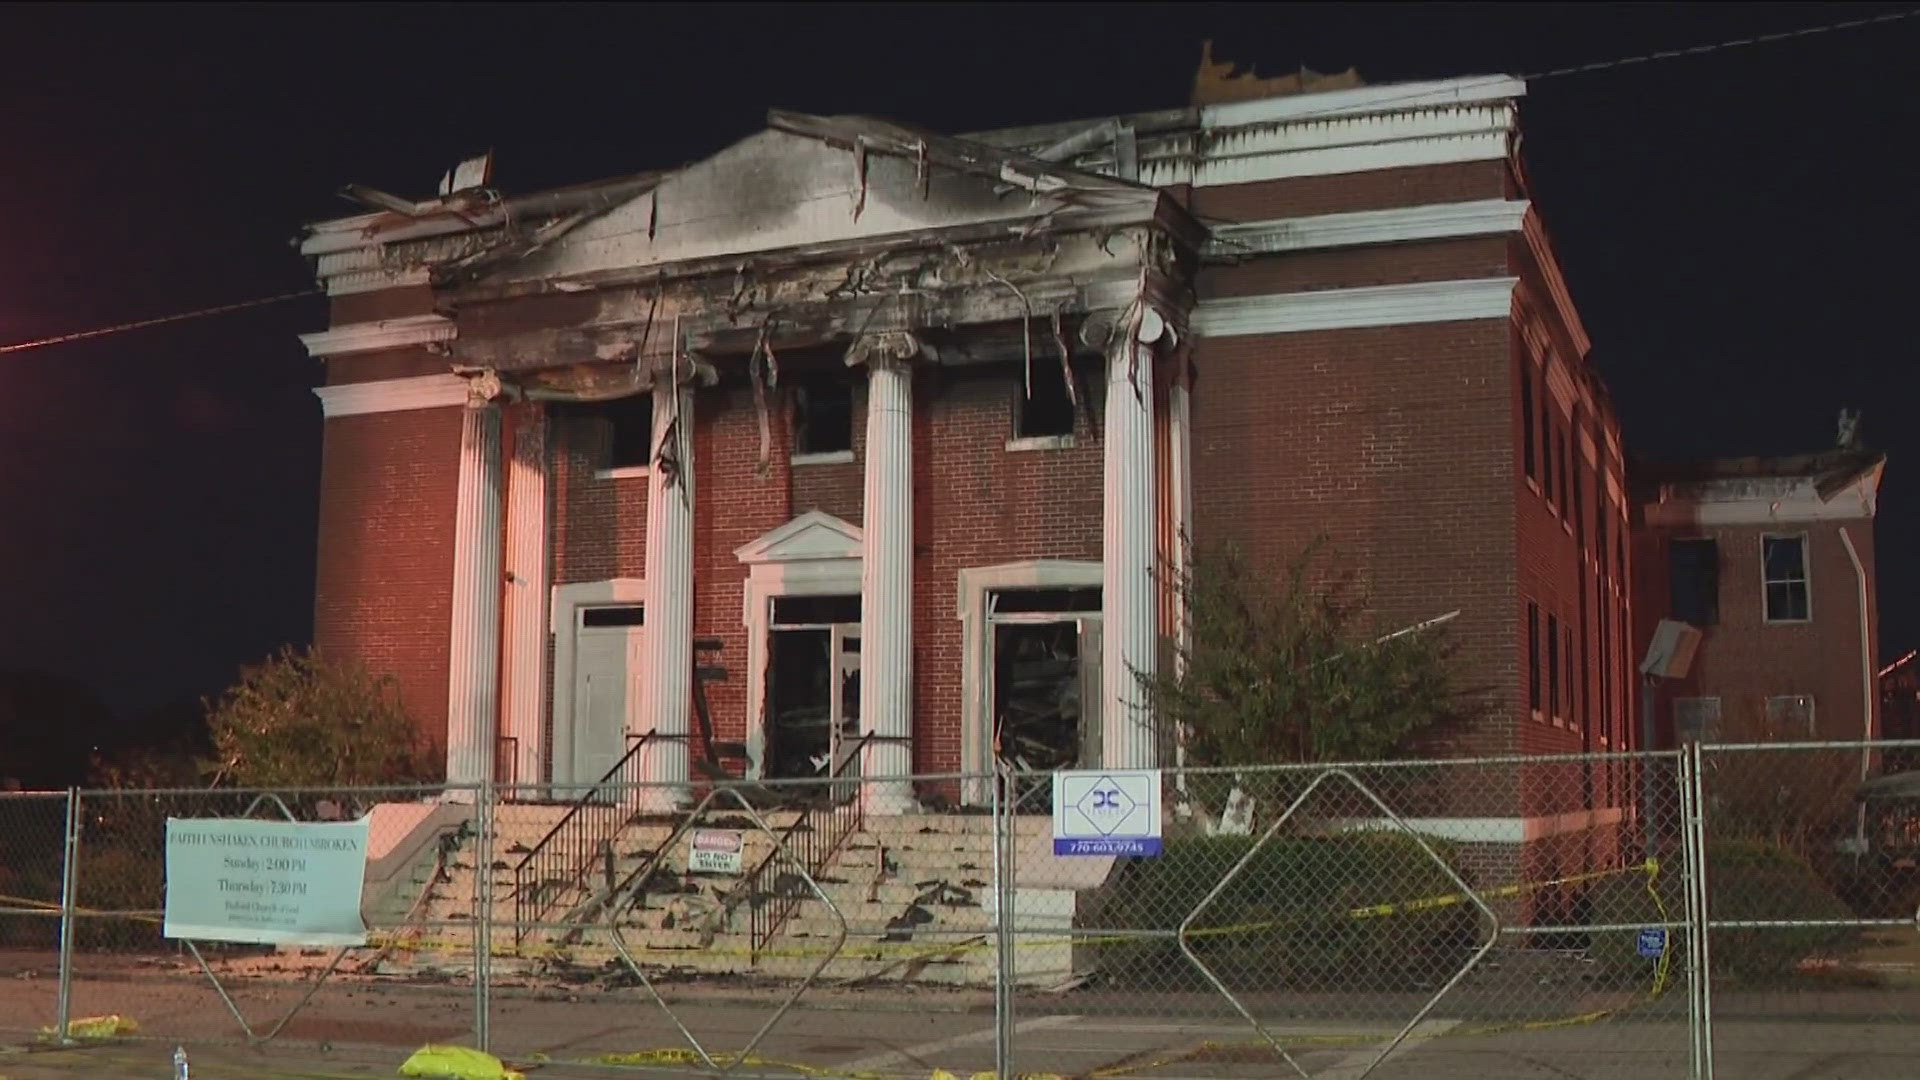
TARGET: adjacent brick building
(896,428)
(1772,560)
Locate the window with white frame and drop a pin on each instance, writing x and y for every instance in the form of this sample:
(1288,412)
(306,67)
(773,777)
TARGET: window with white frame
(1790,716)
(1696,719)
(1783,562)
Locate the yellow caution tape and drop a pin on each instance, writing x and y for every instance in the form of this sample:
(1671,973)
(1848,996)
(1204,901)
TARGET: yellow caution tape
(1661,972)
(868,949)
(456,1063)
(94,1027)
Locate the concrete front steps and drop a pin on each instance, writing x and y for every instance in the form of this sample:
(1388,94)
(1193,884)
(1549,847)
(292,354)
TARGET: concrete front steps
(915,892)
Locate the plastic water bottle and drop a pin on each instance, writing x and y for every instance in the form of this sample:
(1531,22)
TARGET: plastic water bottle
(180,1063)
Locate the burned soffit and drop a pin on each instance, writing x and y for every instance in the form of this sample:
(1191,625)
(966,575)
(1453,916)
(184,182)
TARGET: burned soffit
(791,236)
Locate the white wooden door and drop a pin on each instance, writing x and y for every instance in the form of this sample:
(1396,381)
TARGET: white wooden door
(606,697)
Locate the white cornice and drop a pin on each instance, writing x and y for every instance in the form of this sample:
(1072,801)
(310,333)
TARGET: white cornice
(1367,156)
(392,395)
(1393,97)
(1335,309)
(1483,217)
(384,334)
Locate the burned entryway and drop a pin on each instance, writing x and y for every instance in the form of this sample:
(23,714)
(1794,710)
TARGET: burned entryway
(1046,677)
(813,692)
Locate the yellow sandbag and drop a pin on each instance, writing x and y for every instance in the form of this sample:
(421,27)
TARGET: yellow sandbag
(456,1063)
(94,1027)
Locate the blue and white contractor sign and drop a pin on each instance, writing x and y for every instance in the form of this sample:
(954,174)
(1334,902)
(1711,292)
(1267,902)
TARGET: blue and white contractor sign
(1106,812)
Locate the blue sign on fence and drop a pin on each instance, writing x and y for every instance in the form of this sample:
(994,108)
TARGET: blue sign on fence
(1653,942)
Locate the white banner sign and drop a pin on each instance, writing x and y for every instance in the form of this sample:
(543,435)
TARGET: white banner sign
(265,882)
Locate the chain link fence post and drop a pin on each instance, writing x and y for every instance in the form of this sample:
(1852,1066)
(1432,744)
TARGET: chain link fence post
(69,895)
(1691,859)
(483,914)
(1700,888)
(1000,816)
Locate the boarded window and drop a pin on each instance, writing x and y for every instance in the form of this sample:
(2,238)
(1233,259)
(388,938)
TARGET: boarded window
(1694,580)
(823,413)
(1790,716)
(1784,561)
(1696,719)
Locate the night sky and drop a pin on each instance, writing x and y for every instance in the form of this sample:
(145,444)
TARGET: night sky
(1726,222)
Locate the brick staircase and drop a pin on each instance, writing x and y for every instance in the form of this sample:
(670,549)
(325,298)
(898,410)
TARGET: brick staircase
(915,892)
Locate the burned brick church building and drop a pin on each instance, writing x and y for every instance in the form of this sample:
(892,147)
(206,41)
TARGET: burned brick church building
(856,446)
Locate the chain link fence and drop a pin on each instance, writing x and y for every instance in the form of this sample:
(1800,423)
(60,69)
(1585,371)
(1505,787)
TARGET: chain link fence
(1522,917)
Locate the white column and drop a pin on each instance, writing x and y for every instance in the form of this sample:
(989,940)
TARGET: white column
(527,588)
(473,686)
(1128,598)
(667,700)
(886,586)
(1180,476)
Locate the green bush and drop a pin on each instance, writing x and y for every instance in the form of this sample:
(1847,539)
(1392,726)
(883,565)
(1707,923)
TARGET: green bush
(119,878)
(1746,880)
(1287,919)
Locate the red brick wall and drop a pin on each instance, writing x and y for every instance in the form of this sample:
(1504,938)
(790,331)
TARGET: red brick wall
(1396,445)
(384,578)
(976,503)
(1416,185)
(1348,268)
(599,528)
(1744,659)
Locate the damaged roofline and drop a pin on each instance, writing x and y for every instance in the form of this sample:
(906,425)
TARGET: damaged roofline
(1154,208)
(463,213)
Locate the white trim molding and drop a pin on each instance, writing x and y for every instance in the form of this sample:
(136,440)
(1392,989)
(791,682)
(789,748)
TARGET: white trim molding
(815,554)
(1339,309)
(976,650)
(392,395)
(382,334)
(1437,221)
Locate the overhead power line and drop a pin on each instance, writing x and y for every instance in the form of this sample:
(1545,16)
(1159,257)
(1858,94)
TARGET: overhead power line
(142,324)
(1735,43)
(1553,73)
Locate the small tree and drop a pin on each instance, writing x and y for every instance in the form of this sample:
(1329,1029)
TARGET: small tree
(300,719)
(1283,669)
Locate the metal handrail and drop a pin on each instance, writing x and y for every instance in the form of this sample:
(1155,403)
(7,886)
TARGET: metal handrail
(812,847)
(569,849)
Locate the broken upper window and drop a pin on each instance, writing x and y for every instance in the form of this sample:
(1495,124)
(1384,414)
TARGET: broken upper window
(1694,581)
(626,429)
(1784,562)
(823,413)
(1043,405)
